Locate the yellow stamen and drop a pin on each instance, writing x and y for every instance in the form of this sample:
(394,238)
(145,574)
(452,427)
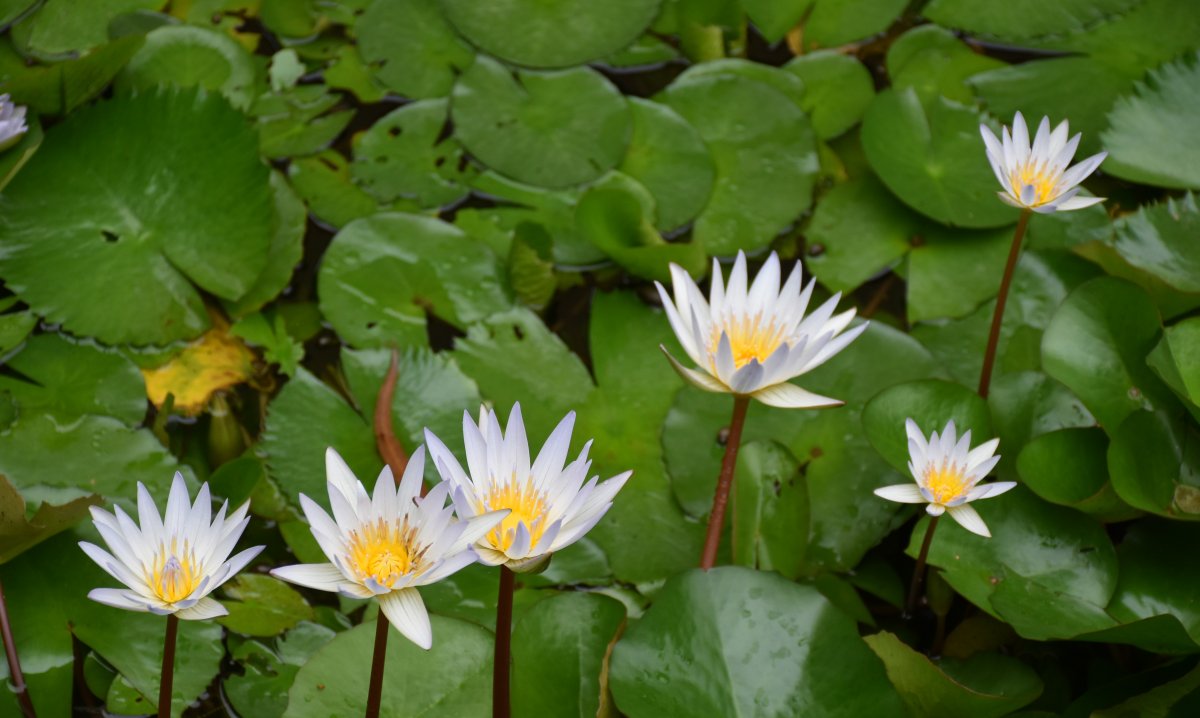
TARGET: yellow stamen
(750,337)
(175,573)
(527,506)
(383,551)
(1043,180)
(945,482)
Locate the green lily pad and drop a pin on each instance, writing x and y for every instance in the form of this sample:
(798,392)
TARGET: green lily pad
(1177,359)
(262,689)
(1013,20)
(833,23)
(70,379)
(1154,461)
(765,158)
(60,27)
(60,88)
(858,230)
(533,126)
(952,273)
(1070,467)
(1096,345)
(613,220)
(411,47)
(262,606)
(208,225)
(1158,574)
(558,653)
(349,72)
(1161,239)
(786,83)
(301,123)
(404,154)
(668,157)
(285,252)
(382,273)
(931,403)
(986,685)
(323,182)
(935,63)
(837,90)
(933,159)
(774,18)
(18,533)
(770,510)
(190,56)
(736,642)
(1026,405)
(430,391)
(454,681)
(1144,128)
(550,33)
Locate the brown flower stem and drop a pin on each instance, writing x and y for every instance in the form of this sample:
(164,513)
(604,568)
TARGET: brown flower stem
(716,518)
(914,588)
(167,679)
(14,662)
(389,447)
(375,692)
(501,691)
(989,356)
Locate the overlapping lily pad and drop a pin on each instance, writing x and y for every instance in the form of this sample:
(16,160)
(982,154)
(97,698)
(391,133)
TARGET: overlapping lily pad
(190,56)
(1160,108)
(668,157)
(411,47)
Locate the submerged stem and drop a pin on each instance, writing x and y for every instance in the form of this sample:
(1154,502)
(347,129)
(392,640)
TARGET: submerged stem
(914,588)
(501,700)
(14,662)
(989,356)
(375,691)
(716,518)
(167,678)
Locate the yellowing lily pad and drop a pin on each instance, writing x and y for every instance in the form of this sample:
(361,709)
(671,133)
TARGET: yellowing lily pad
(214,362)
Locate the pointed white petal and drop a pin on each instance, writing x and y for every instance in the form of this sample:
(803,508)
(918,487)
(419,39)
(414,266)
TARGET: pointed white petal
(553,456)
(1078,203)
(119,598)
(790,396)
(321,576)
(203,609)
(987,491)
(935,509)
(969,519)
(406,611)
(902,493)
(695,377)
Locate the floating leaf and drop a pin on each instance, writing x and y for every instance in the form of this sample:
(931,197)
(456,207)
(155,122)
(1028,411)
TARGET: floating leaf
(837,90)
(931,403)
(770,510)
(412,48)
(1154,461)
(1177,359)
(668,157)
(262,606)
(533,126)
(60,88)
(60,27)
(550,33)
(952,273)
(1161,239)
(1069,467)
(18,533)
(287,247)
(323,182)
(190,56)
(215,362)
(208,222)
(857,231)
(736,642)
(774,18)
(833,23)
(262,690)
(613,220)
(1012,20)
(935,63)
(1157,575)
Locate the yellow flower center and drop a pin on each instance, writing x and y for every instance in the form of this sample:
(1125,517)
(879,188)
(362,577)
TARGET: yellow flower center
(946,482)
(383,551)
(750,337)
(1044,182)
(527,506)
(175,573)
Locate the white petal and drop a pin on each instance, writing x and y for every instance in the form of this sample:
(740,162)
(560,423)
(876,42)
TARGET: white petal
(969,519)
(765,289)
(748,379)
(987,491)
(790,396)
(902,493)
(205,608)
(340,475)
(682,331)
(1041,141)
(406,611)
(694,377)
(1078,203)
(553,456)
(981,453)
(148,518)
(410,484)
(735,291)
(1080,172)
(935,509)
(321,576)
(119,598)
(1020,138)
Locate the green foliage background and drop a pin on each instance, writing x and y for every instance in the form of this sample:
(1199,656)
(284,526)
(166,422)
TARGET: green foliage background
(489,187)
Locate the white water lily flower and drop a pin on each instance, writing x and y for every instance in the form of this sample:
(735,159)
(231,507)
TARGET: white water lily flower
(750,340)
(947,472)
(551,506)
(388,543)
(1037,177)
(12,122)
(170,564)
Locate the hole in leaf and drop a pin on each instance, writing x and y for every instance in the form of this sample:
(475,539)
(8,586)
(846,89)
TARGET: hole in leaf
(110,237)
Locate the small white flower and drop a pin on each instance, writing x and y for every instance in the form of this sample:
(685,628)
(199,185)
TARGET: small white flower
(1037,177)
(12,123)
(551,506)
(388,543)
(750,340)
(947,470)
(170,564)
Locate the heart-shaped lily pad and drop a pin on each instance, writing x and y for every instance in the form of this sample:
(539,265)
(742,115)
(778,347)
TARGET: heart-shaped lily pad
(411,47)
(668,157)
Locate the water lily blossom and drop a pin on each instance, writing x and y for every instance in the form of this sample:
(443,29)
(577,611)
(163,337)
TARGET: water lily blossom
(12,123)
(388,543)
(551,506)
(751,339)
(171,563)
(1036,177)
(947,473)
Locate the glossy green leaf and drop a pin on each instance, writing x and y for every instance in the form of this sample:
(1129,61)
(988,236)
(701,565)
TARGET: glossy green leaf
(765,159)
(262,606)
(833,23)
(837,90)
(454,680)
(285,252)
(411,47)
(208,227)
(1096,345)
(986,684)
(933,159)
(1154,460)
(1160,239)
(1145,128)
(558,652)
(550,33)
(668,157)
(1012,20)
(1177,359)
(1158,575)
(62,87)
(613,220)
(1070,467)
(190,56)
(735,642)
(952,273)
(262,689)
(770,510)
(858,230)
(935,63)
(931,403)
(60,27)
(531,125)
(774,18)
(323,182)
(1026,405)
(786,83)
(382,274)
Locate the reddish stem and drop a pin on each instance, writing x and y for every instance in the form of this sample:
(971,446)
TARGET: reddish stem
(388,445)
(989,356)
(914,588)
(375,691)
(716,518)
(167,678)
(14,662)
(501,690)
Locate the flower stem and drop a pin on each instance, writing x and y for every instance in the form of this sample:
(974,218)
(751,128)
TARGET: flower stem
(716,518)
(14,662)
(914,588)
(167,679)
(375,692)
(501,700)
(989,357)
